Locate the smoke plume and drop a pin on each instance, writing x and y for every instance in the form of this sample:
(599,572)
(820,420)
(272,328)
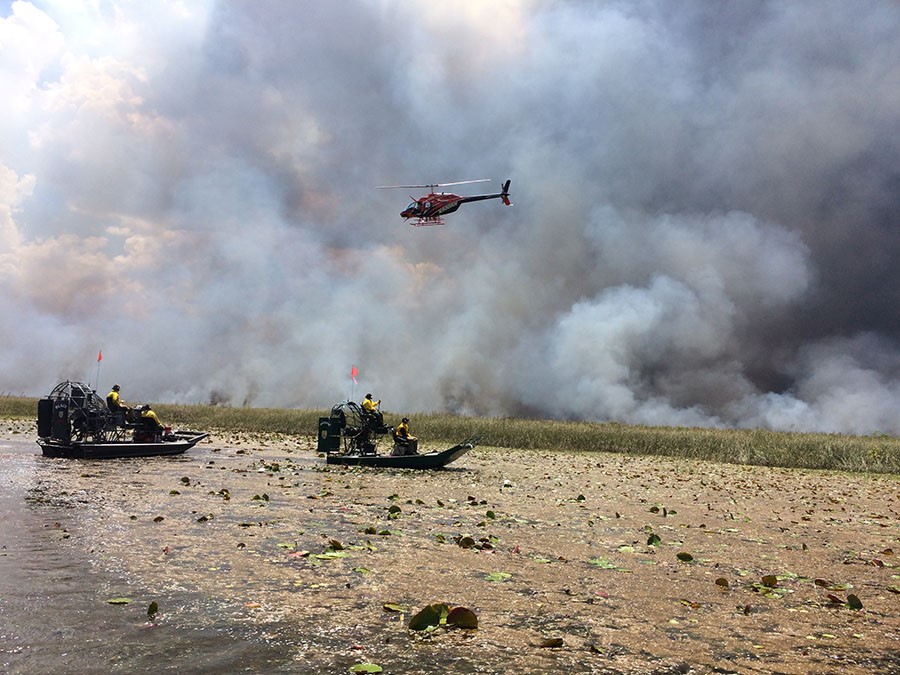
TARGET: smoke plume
(705,228)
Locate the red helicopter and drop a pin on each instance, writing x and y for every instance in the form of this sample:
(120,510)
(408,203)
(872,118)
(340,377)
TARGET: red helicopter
(428,210)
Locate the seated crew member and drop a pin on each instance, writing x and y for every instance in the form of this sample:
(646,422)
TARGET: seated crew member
(114,402)
(404,442)
(150,418)
(370,407)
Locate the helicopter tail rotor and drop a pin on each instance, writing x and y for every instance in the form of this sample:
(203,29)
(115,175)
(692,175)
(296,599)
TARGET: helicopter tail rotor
(504,193)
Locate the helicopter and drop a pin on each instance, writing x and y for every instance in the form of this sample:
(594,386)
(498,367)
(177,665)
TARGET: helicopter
(428,210)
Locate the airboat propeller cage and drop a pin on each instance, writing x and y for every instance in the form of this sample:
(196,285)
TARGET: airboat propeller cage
(70,404)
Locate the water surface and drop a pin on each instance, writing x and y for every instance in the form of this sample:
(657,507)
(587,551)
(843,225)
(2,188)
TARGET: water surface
(54,610)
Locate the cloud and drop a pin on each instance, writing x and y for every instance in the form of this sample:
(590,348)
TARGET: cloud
(703,230)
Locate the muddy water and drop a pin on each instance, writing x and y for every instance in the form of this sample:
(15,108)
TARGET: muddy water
(54,611)
(263,559)
(231,594)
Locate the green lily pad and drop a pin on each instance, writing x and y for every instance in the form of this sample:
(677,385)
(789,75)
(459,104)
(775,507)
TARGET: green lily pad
(365,668)
(497,576)
(331,555)
(602,563)
(119,601)
(429,617)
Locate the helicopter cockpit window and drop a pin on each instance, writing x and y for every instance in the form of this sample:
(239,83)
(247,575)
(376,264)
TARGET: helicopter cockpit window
(412,207)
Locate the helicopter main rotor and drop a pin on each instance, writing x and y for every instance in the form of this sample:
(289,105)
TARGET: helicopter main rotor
(432,186)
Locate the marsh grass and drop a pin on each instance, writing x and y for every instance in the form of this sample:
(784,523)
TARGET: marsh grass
(17,407)
(866,454)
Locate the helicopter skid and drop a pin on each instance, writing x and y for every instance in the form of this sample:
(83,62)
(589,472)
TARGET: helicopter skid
(424,222)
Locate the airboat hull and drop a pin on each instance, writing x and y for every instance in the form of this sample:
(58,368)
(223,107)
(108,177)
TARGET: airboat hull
(183,442)
(425,460)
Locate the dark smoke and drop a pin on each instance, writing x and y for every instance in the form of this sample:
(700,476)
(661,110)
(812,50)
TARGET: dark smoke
(705,229)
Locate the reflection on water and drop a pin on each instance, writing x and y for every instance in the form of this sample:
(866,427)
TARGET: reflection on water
(54,611)
(232,544)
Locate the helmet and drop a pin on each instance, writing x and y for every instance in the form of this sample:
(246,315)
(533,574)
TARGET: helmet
(116,387)
(368,395)
(405,419)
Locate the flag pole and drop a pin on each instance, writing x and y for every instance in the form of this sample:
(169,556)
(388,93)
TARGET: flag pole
(99,360)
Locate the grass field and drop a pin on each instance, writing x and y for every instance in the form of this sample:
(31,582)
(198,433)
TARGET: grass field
(875,454)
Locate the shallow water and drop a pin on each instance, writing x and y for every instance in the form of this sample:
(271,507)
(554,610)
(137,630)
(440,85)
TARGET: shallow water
(263,559)
(54,610)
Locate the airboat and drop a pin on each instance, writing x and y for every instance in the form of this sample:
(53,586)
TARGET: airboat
(350,436)
(75,423)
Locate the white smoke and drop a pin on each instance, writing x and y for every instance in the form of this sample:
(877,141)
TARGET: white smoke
(704,229)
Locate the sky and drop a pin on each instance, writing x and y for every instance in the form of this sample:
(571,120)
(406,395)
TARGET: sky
(705,229)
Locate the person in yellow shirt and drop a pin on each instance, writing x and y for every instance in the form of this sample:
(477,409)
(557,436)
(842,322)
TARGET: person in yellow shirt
(114,402)
(150,418)
(369,405)
(404,443)
(370,408)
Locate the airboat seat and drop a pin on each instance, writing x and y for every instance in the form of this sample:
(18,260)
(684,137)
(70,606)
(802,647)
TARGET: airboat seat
(404,446)
(375,423)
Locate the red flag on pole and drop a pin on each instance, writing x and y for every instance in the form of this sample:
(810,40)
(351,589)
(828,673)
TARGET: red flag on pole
(100,356)
(353,373)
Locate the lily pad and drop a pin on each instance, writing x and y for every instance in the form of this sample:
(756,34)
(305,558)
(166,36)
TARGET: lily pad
(429,617)
(497,576)
(602,563)
(331,555)
(684,556)
(365,668)
(462,617)
(119,601)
